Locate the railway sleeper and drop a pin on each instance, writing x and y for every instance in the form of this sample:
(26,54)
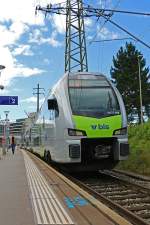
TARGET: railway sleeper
(129,197)
(132,201)
(109,189)
(122,193)
(138,207)
(143,215)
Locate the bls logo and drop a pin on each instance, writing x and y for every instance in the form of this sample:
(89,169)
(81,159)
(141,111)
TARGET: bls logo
(100,127)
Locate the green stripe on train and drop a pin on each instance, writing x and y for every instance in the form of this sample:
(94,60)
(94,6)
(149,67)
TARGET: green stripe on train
(94,127)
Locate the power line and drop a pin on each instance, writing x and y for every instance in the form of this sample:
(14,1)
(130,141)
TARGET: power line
(116,11)
(100,29)
(115,39)
(126,31)
(116,5)
(88,11)
(75,53)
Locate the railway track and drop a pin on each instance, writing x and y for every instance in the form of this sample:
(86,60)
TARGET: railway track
(138,179)
(128,195)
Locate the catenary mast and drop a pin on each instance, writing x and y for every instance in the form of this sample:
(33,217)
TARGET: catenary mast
(75,52)
(75,49)
(75,11)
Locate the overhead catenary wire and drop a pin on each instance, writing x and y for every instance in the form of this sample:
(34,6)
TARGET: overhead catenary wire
(116,5)
(129,33)
(102,26)
(114,39)
(87,10)
(128,12)
(90,11)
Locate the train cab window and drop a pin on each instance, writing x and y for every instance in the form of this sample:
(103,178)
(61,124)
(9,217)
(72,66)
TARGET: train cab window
(53,106)
(93,99)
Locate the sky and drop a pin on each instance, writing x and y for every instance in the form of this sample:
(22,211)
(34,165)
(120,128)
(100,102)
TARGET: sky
(32,46)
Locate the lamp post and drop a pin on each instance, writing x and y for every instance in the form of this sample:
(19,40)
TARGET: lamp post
(140,89)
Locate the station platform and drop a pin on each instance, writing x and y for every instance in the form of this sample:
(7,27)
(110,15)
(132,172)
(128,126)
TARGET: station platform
(32,192)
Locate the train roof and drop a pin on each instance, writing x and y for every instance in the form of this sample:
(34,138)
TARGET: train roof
(76,75)
(81,75)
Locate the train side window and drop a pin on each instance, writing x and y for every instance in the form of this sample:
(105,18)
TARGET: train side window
(53,105)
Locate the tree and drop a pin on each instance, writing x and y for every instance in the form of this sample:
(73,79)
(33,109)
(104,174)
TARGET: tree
(125,72)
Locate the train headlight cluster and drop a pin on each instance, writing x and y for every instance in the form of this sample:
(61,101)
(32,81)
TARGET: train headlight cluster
(74,132)
(74,151)
(122,131)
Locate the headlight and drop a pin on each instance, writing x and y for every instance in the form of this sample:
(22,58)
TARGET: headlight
(121,131)
(74,132)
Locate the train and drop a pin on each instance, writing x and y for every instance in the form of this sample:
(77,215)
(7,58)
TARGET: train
(82,124)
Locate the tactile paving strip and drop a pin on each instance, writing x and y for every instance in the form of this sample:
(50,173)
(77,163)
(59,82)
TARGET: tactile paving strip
(47,207)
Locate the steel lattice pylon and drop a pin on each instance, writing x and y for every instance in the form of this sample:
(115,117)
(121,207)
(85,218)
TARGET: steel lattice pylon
(75,52)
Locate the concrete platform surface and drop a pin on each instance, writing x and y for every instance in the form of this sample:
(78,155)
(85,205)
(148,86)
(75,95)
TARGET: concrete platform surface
(31,192)
(15,204)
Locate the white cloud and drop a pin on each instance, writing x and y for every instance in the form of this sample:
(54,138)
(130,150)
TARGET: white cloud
(32,99)
(18,28)
(17,10)
(13,68)
(16,18)
(105,4)
(104,33)
(44,2)
(59,23)
(22,71)
(23,50)
(52,40)
(88,22)
(9,35)
(7,91)
(36,37)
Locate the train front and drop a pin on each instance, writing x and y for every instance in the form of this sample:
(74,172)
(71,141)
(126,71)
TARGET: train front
(99,122)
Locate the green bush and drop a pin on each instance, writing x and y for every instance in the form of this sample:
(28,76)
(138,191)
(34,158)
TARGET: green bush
(139,158)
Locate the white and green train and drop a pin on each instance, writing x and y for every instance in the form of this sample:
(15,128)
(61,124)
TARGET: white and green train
(82,124)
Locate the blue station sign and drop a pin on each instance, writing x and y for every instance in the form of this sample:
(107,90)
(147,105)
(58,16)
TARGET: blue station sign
(8,100)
